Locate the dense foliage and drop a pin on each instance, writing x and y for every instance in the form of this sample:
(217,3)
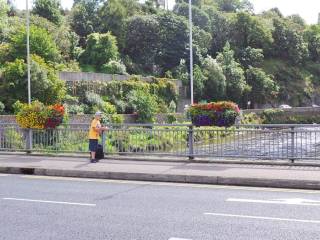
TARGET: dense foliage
(265,59)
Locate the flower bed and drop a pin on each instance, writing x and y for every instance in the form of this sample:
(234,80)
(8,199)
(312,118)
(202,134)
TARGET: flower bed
(38,116)
(221,114)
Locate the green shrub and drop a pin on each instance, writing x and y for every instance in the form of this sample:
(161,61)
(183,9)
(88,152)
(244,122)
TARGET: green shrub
(17,106)
(145,105)
(171,118)
(108,108)
(251,118)
(272,116)
(1,107)
(114,67)
(76,109)
(172,107)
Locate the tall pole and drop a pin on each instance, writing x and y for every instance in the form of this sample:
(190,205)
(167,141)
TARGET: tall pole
(28,52)
(29,137)
(191,51)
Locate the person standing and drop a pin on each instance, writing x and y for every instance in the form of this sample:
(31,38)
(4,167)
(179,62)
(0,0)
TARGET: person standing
(94,133)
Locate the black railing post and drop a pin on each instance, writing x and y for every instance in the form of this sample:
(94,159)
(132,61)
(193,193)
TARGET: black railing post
(191,142)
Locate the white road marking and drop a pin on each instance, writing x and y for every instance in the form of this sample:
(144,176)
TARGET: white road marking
(287,201)
(173,184)
(179,238)
(54,202)
(3,175)
(263,218)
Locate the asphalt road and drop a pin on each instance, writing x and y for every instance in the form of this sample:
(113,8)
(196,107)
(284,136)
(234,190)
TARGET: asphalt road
(60,208)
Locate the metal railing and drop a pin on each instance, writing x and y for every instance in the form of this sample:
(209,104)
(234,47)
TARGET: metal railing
(277,141)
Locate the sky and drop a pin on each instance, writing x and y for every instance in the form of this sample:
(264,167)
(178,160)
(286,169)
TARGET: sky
(308,9)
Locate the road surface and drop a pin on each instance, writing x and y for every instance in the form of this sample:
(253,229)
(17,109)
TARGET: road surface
(35,207)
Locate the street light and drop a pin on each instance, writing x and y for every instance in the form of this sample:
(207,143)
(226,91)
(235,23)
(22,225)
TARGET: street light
(29,141)
(191,51)
(28,52)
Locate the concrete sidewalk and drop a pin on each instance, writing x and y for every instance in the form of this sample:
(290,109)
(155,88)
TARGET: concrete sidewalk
(304,177)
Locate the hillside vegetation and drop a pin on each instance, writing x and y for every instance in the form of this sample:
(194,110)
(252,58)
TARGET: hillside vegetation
(238,55)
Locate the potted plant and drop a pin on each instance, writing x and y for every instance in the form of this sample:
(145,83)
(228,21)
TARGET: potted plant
(38,116)
(222,114)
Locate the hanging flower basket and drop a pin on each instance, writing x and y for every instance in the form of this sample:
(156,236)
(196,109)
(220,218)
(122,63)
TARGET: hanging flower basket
(222,114)
(38,116)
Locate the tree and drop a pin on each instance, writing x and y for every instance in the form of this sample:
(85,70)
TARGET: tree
(199,81)
(4,8)
(143,41)
(101,48)
(49,9)
(174,40)
(263,87)
(215,86)
(65,39)
(289,43)
(199,17)
(84,18)
(229,5)
(235,80)
(248,31)
(220,29)
(312,37)
(113,14)
(45,85)
(251,57)
(41,44)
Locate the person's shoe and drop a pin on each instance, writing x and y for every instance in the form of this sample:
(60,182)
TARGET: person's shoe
(93,161)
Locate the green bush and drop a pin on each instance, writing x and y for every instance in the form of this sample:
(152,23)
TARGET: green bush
(172,107)
(1,107)
(272,116)
(76,109)
(251,118)
(114,67)
(117,91)
(144,104)
(171,118)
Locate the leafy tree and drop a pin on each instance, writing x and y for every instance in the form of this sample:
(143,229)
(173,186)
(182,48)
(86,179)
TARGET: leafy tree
(49,9)
(297,19)
(4,8)
(199,80)
(201,43)
(263,87)
(101,48)
(84,18)
(312,36)
(113,14)
(234,5)
(248,31)
(181,72)
(215,85)
(114,67)
(220,29)
(65,39)
(45,85)
(235,80)
(199,17)
(251,57)
(289,43)
(174,40)
(143,41)
(41,44)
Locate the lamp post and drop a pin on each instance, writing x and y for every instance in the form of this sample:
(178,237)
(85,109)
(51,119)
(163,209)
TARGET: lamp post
(191,51)
(28,51)
(29,136)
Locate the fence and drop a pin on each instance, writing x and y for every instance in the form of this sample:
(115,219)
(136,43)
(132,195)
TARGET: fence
(181,140)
